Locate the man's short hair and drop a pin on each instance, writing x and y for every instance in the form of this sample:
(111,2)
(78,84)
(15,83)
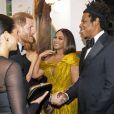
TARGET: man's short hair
(99,9)
(20,18)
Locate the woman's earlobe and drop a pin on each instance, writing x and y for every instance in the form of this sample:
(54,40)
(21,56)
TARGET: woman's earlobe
(7,39)
(6,36)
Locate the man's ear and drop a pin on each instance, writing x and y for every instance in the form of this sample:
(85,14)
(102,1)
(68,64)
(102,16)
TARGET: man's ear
(97,20)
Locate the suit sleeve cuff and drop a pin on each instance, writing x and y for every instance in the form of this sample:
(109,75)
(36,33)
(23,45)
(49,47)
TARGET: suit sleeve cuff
(67,97)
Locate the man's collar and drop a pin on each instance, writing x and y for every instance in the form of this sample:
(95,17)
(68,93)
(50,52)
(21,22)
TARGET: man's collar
(20,45)
(98,35)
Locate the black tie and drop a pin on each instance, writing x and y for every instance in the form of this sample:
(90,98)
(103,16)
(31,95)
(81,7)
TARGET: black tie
(89,43)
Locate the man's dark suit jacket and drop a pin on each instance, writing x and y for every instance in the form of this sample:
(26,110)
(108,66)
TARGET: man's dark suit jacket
(95,87)
(16,56)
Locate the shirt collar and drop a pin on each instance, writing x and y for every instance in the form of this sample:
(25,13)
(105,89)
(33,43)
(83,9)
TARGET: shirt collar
(20,46)
(98,35)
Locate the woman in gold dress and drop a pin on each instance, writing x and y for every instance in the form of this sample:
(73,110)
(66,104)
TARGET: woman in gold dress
(61,67)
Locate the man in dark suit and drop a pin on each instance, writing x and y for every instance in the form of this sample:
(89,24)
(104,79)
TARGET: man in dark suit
(25,29)
(95,87)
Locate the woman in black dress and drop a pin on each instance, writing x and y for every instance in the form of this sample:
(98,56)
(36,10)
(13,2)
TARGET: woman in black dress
(12,90)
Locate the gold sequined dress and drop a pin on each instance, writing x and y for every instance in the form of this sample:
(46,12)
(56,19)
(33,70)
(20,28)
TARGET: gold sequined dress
(61,79)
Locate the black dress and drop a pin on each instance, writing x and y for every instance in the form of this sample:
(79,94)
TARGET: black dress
(12,89)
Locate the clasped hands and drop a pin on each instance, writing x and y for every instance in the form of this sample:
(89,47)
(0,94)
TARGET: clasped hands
(58,98)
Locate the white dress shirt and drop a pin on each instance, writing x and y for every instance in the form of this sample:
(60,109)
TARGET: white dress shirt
(20,49)
(95,39)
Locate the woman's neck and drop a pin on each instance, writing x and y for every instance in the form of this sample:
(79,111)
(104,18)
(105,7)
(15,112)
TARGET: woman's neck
(4,53)
(60,52)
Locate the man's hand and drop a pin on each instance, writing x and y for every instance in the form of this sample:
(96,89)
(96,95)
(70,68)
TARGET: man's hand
(58,98)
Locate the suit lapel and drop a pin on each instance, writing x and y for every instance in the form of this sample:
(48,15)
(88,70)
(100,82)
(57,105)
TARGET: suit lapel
(84,50)
(97,48)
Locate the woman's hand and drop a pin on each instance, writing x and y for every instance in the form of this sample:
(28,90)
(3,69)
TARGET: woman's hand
(40,99)
(28,77)
(46,53)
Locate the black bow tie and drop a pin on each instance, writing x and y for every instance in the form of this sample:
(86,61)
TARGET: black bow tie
(90,43)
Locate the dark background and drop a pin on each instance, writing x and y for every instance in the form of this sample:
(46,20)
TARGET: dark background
(110,3)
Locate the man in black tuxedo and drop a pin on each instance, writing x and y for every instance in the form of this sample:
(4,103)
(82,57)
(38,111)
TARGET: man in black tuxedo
(95,87)
(25,29)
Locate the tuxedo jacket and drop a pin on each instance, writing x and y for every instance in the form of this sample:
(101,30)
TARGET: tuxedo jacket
(95,87)
(17,57)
